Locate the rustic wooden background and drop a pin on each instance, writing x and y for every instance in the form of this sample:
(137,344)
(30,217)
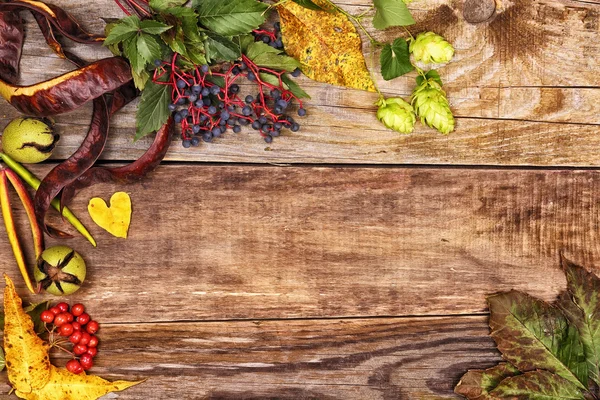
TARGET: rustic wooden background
(346,261)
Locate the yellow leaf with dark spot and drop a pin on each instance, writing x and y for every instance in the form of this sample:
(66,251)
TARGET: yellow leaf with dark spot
(29,369)
(64,385)
(26,355)
(326,44)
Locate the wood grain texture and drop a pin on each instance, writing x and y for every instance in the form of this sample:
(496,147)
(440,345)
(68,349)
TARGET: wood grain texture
(242,242)
(524,86)
(375,359)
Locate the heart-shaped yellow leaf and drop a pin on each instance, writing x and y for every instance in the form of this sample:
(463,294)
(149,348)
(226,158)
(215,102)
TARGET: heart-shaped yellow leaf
(115,220)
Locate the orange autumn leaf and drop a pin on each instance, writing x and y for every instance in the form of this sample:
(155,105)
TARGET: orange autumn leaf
(26,355)
(28,364)
(326,44)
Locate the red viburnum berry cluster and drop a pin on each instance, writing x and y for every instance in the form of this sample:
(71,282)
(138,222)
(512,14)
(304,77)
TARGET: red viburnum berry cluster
(79,329)
(207,102)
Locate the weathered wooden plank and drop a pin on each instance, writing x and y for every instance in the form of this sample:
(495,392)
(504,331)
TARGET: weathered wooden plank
(497,72)
(386,358)
(222,242)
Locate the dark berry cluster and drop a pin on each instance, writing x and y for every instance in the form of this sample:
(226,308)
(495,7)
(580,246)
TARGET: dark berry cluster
(207,102)
(272,38)
(77,326)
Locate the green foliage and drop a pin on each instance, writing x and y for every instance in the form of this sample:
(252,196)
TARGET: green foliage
(308,4)
(221,48)
(266,56)
(391,13)
(153,109)
(395,60)
(232,17)
(552,350)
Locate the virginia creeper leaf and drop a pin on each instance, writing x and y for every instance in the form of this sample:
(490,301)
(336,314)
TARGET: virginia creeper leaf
(160,5)
(125,29)
(395,59)
(2,361)
(232,17)
(532,334)
(477,384)
(308,4)
(26,354)
(136,60)
(294,87)
(391,13)
(582,308)
(266,56)
(148,48)
(154,27)
(153,109)
(221,48)
(271,79)
(537,385)
(326,45)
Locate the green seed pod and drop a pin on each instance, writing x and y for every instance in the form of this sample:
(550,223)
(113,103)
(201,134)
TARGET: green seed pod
(396,114)
(28,140)
(429,47)
(60,270)
(431,105)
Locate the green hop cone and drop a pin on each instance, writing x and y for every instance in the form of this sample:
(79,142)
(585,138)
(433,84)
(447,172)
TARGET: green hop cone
(396,114)
(429,47)
(431,105)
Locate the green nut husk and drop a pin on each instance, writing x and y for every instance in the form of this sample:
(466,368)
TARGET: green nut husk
(396,114)
(430,47)
(432,107)
(60,270)
(28,140)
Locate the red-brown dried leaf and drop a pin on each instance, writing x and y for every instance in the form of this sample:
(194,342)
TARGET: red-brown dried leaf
(11,43)
(63,22)
(128,173)
(73,167)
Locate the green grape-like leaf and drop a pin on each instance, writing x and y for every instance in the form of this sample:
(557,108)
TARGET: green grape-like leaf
(582,307)
(395,60)
(537,385)
(153,109)
(477,384)
(531,334)
(232,17)
(391,13)
(431,74)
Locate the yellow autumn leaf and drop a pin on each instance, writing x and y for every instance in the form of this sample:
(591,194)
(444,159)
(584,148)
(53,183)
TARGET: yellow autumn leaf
(326,44)
(64,385)
(28,364)
(26,354)
(114,219)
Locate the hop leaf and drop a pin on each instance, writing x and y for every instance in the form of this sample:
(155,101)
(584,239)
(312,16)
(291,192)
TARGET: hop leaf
(396,114)
(429,47)
(431,105)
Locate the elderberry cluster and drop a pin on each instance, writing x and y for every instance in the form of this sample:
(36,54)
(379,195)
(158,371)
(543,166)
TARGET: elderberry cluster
(206,103)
